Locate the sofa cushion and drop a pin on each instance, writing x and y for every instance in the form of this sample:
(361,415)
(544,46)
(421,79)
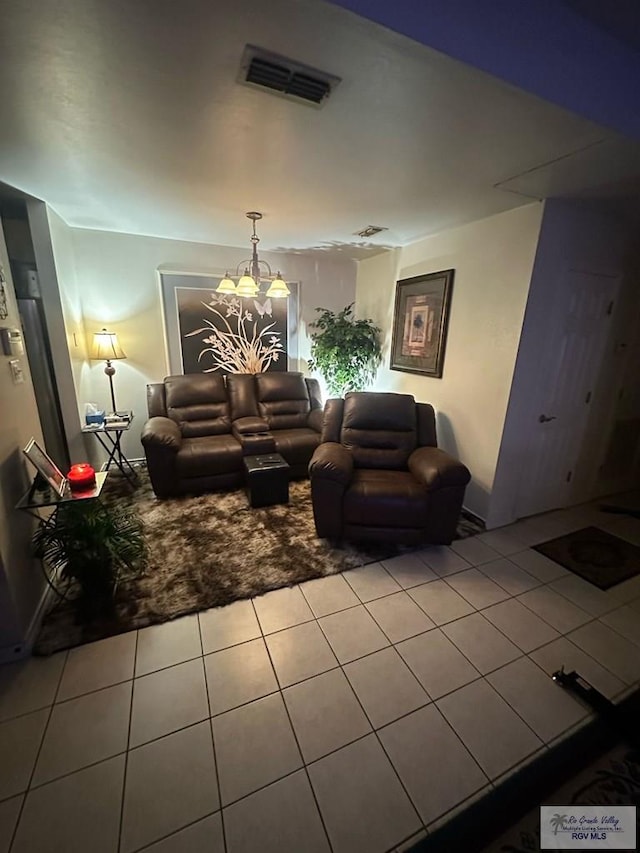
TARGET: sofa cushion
(283,400)
(385,498)
(198,403)
(296,445)
(380,430)
(241,390)
(208,455)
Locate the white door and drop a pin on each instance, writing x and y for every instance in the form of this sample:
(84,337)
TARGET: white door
(569,365)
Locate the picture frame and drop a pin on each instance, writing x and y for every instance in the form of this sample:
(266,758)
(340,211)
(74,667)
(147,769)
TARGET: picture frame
(183,345)
(420,322)
(45,466)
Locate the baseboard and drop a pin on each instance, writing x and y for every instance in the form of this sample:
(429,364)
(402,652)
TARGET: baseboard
(20,650)
(474,515)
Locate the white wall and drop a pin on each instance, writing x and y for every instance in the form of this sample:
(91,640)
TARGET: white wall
(117,282)
(492,259)
(591,237)
(21,580)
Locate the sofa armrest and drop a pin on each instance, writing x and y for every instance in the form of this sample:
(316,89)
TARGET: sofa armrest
(160,433)
(435,469)
(251,424)
(315,419)
(331,461)
(330,472)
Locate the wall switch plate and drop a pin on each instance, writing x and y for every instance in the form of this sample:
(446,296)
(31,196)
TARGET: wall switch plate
(16,371)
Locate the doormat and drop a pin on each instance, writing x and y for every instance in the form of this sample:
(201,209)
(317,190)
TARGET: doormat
(597,556)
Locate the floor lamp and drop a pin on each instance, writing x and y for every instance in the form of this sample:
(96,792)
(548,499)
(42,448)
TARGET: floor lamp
(105,347)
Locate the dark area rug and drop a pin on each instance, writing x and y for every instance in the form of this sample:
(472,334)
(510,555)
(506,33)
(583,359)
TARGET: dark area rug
(597,556)
(210,550)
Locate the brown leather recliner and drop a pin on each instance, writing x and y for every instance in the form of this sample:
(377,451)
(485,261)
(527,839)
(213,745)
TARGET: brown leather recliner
(379,475)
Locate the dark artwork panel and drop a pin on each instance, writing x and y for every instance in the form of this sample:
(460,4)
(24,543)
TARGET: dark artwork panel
(231,334)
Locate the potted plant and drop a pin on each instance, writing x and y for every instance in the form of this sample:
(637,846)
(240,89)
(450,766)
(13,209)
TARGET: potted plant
(344,350)
(93,544)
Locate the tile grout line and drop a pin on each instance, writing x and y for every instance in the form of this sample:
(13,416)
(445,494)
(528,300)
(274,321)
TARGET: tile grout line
(175,832)
(338,665)
(547,586)
(304,764)
(374,731)
(481,676)
(615,630)
(559,592)
(126,754)
(600,663)
(213,742)
(537,583)
(35,763)
(491,671)
(434,703)
(116,683)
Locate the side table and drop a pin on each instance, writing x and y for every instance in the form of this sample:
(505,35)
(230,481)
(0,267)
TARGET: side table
(36,500)
(109,436)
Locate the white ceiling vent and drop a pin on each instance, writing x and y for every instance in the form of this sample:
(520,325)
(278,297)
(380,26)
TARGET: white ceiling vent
(285,77)
(370,231)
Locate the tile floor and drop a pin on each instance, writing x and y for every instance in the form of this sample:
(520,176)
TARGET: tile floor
(353,713)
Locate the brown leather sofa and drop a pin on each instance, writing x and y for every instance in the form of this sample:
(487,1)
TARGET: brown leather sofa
(379,475)
(202,425)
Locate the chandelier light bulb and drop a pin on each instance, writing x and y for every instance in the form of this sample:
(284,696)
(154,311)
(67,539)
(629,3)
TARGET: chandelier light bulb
(226,285)
(278,289)
(249,284)
(246,285)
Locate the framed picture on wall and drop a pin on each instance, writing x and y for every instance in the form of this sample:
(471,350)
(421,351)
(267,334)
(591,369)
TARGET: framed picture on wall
(210,332)
(420,320)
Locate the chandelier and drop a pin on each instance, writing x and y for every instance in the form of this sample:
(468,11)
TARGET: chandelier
(249,282)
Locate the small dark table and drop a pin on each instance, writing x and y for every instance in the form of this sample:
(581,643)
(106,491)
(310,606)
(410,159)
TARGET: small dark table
(267,478)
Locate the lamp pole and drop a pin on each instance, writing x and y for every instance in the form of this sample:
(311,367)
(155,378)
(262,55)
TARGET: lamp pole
(110,370)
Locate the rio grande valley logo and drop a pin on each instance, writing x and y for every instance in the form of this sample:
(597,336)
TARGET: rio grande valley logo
(588,827)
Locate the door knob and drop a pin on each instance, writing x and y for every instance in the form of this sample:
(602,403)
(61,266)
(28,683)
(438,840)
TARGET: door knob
(543,419)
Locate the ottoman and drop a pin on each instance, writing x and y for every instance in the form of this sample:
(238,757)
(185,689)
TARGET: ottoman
(267,479)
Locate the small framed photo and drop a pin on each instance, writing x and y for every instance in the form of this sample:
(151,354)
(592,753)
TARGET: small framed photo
(45,466)
(420,322)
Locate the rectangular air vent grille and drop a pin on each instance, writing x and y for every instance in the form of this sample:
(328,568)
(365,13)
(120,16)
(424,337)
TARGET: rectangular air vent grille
(285,76)
(370,231)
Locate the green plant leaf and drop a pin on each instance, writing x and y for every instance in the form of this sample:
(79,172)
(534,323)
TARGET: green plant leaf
(345,351)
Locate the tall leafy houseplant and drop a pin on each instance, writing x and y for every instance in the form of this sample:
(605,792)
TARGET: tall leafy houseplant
(94,544)
(344,350)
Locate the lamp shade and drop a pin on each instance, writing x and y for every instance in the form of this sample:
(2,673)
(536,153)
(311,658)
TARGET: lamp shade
(278,289)
(226,285)
(247,286)
(105,347)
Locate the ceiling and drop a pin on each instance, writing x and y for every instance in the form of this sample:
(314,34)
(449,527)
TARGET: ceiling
(128,116)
